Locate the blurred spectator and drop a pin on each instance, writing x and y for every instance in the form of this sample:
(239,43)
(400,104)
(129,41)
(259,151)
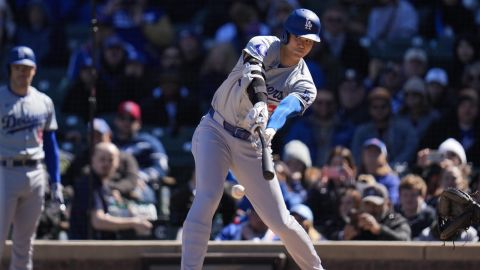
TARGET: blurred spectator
(147,150)
(452,150)
(243,25)
(340,169)
(453,177)
(449,149)
(352,97)
(448,18)
(139,23)
(292,190)
(47,39)
(79,90)
(137,79)
(251,228)
(297,157)
(321,130)
(171,59)
(277,12)
(415,62)
(348,207)
(324,196)
(392,19)
(8,28)
(431,162)
(108,215)
(125,177)
(182,198)
(398,135)
(304,216)
(465,52)
(462,125)
(412,206)
(438,92)
(113,58)
(391,78)
(376,219)
(217,65)
(374,162)
(104,30)
(432,233)
(416,108)
(358,12)
(339,44)
(170,105)
(193,54)
(471,77)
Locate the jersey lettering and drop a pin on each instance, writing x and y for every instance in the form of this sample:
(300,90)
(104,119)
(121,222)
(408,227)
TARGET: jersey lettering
(306,96)
(272,92)
(11,124)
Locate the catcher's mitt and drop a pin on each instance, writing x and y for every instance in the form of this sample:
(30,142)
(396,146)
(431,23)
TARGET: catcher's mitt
(456,211)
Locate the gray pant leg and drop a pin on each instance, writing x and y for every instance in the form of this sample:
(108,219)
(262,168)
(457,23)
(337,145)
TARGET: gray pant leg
(212,160)
(8,202)
(26,218)
(266,197)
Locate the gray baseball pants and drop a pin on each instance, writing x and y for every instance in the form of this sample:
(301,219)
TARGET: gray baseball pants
(21,203)
(215,151)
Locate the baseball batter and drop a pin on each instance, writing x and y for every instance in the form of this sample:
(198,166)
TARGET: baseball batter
(27,138)
(269,83)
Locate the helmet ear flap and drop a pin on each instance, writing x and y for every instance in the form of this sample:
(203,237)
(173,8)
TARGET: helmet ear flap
(284,37)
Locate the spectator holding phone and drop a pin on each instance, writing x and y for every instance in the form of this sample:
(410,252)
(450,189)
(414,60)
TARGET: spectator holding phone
(323,197)
(376,219)
(348,207)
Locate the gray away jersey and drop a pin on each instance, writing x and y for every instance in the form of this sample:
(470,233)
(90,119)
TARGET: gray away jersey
(231,99)
(23,121)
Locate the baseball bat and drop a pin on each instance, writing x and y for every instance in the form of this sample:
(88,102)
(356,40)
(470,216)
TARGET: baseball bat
(267,161)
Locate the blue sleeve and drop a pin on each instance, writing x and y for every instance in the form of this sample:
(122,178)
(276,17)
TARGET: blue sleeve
(289,106)
(50,147)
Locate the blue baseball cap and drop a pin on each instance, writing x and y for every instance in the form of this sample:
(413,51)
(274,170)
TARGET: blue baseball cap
(303,211)
(377,143)
(22,55)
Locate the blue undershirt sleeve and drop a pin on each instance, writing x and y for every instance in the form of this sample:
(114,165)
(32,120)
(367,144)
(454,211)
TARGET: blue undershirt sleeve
(288,107)
(50,146)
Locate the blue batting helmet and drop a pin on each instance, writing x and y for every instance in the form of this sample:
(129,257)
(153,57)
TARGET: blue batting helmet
(22,55)
(303,23)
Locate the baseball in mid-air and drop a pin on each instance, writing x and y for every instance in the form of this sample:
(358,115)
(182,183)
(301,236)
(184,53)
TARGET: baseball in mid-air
(238,191)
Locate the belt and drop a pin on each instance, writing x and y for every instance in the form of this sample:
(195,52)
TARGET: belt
(236,132)
(20,162)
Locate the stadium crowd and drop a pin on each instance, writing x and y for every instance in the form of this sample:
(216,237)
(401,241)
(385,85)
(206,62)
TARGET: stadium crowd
(395,121)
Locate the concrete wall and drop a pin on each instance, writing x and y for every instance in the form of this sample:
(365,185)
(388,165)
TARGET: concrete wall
(123,255)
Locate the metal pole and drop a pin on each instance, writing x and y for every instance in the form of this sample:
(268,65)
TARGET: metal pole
(92,101)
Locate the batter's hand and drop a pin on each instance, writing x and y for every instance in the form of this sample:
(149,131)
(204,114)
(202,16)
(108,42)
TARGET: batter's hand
(368,222)
(257,116)
(269,133)
(56,191)
(256,144)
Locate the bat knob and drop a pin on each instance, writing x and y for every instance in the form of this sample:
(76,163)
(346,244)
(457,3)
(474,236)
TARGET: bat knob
(268,175)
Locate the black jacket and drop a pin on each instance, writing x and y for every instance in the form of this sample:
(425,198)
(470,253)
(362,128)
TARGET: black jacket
(393,227)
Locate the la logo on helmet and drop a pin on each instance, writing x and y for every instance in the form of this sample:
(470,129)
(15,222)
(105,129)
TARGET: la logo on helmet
(308,25)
